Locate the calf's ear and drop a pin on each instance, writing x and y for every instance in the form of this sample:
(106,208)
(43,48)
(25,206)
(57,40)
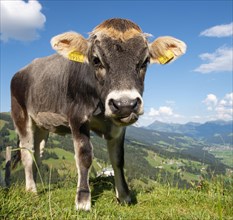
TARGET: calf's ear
(166,49)
(70,45)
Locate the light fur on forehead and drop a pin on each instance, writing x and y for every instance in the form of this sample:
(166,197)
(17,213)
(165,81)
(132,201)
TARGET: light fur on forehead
(116,34)
(117,29)
(69,42)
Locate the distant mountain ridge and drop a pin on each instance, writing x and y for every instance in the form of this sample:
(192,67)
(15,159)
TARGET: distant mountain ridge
(215,132)
(174,127)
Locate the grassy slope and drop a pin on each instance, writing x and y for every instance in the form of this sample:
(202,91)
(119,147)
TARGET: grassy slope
(161,202)
(66,162)
(225,156)
(2,123)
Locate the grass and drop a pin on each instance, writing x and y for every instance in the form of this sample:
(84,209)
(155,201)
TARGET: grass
(68,157)
(225,156)
(154,202)
(2,123)
(66,162)
(156,161)
(12,135)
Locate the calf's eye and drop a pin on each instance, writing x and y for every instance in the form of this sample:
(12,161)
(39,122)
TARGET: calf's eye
(144,64)
(96,61)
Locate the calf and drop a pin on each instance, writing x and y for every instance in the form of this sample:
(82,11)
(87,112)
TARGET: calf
(91,84)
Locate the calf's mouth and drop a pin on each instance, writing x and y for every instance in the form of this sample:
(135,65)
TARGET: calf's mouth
(126,120)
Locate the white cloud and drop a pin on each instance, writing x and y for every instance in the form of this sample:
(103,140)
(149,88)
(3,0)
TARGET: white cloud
(211,101)
(20,20)
(224,30)
(218,109)
(162,111)
(225,107)
(222,109)
(219,61)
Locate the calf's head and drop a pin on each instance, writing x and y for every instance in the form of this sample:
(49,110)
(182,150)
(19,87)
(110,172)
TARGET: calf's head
(118,52)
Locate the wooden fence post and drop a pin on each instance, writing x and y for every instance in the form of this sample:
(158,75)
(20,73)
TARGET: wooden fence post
(8,166)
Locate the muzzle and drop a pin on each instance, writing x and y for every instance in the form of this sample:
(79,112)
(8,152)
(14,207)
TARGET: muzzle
(124,107)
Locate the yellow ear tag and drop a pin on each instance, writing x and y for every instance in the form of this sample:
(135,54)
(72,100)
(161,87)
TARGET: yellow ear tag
(76,56)
(168,56)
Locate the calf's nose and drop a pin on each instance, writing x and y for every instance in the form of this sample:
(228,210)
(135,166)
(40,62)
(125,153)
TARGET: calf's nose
(124,107)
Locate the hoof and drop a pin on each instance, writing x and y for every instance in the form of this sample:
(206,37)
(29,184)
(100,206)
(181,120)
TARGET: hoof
(31,189)
(83,200)
(124,200)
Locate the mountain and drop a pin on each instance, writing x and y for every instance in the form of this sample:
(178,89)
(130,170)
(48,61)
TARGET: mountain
(188,128)
(212,132)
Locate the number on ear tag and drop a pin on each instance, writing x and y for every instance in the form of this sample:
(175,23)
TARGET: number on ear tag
(76,56)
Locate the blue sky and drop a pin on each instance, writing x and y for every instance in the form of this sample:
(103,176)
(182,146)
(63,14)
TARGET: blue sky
(196,87)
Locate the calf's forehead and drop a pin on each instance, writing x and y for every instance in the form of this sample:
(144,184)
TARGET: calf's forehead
(116,37)
(135,48)
(118,29)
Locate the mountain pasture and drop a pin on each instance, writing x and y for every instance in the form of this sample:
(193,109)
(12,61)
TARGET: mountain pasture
(154,202)
(165,181)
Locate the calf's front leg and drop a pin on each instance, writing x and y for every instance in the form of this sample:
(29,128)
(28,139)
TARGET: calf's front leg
(116,154)
(83,158)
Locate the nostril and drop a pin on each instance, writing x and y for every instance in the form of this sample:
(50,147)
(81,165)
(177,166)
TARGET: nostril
(114,105)
(136,103)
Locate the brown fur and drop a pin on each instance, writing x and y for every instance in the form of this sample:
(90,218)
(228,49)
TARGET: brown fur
(119,24)
(118,29)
